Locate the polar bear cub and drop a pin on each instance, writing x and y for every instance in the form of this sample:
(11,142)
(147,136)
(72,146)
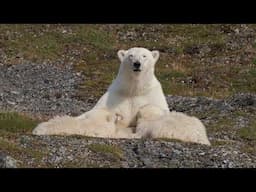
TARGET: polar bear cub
(94,123)
(152,122)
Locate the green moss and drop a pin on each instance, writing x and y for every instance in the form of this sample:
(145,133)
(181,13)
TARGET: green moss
(92,35)
(222,124)
(248,132)
(167,75)
(78,163)
(254,61)
(110,149)
(219,142)
(252,72)
(240,113)
(245,81)
(208,113)
(249,148)
(5,145)
(168,140)
(41,42)
(16,123)
(98,77)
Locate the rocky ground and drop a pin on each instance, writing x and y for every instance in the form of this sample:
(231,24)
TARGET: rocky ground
(40,89)
(43,91)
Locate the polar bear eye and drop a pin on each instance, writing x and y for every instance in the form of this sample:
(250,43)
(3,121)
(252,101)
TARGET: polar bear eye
(144,56)
(130,56)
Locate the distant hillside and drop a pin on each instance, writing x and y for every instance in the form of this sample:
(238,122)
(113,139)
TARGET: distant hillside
(196,60)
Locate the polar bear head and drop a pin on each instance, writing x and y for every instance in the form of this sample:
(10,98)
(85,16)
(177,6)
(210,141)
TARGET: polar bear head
(138,60)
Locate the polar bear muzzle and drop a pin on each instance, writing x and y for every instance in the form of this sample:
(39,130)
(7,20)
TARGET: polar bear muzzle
(136,67)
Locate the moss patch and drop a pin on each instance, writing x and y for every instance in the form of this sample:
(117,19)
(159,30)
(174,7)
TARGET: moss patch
(222,124)
(16,123)
(220,142)
(109,149)
(248,132)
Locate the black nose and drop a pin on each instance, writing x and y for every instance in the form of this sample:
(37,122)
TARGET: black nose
(136,65)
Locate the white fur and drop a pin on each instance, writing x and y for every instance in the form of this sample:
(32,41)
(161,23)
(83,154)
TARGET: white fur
(95,123)
(175,125)
(133,106)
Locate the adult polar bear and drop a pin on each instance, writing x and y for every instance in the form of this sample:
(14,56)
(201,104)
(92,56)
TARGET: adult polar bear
(134,106)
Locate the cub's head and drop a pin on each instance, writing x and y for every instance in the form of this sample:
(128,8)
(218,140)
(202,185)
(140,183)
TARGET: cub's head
(138,60)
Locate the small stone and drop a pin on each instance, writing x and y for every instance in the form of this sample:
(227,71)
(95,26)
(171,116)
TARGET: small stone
(11,103)
(7,161)
(15,92)
(79,74)
(230,165)
(147,161)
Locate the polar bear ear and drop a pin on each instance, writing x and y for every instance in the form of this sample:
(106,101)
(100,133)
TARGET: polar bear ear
(155,55)
(121,54)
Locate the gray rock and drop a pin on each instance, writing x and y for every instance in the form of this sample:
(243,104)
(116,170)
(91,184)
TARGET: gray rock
(243,100)
(7,161)
(50,88)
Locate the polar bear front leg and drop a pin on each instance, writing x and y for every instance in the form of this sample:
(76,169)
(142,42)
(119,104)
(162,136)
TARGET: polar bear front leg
(64,125)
